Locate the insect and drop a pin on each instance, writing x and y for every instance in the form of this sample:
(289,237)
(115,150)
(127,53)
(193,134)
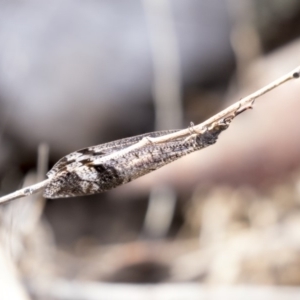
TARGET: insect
(100,168)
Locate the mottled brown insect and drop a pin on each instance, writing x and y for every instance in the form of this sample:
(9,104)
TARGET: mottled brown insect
(100,168)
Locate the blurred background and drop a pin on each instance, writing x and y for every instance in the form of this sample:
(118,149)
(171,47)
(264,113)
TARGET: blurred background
(215,224)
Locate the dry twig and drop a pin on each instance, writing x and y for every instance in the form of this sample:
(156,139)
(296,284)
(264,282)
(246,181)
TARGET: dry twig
(130,146)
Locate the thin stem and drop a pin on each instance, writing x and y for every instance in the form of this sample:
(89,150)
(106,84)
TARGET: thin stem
(238,106)
(25,191)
